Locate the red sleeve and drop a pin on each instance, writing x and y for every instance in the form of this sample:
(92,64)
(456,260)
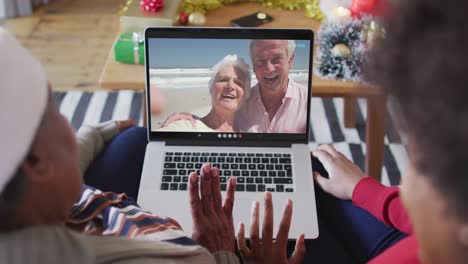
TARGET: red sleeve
(383,202)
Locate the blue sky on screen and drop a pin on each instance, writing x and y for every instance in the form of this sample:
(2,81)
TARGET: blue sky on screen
(204,53)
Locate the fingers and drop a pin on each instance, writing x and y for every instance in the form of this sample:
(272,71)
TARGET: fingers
(267,228)
(330,149)
(169,120)
(173,221)
(283,231)
(254,229)
(241,245)
(324,157)
(216,190)
(123,125)
(205,189)
(299,251)
(229,202)
(178,116)
(195,202)
(193,121)
(321,181)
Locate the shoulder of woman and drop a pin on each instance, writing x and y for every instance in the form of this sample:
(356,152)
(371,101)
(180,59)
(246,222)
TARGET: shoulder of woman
(202,127)
(179,125)
(44,244)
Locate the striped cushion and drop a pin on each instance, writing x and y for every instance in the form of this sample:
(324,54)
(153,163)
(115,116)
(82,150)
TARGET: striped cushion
(327,125)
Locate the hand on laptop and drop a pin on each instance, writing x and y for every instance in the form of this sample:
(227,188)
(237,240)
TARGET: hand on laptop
(265,249)
(343,174)
(213,225)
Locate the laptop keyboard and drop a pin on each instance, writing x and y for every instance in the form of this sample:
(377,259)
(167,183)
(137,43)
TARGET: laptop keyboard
(255,172)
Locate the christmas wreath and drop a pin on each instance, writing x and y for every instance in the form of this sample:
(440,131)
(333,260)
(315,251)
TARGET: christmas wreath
(340,50)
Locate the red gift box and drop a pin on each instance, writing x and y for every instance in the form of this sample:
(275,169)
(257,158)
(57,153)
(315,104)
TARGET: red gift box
(151,5)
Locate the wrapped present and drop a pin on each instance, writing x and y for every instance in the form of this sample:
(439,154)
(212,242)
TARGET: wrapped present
(134,19)
(129,48)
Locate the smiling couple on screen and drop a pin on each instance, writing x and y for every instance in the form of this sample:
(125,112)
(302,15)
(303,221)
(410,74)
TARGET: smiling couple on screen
(276,104)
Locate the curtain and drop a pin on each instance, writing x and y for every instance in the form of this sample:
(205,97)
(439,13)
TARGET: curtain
(14,8)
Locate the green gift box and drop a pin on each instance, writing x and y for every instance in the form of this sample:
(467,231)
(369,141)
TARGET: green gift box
(130,48)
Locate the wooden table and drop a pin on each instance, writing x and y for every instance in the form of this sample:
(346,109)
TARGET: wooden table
(117,76)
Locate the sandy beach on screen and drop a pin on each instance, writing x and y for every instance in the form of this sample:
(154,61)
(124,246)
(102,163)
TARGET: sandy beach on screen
(196,101)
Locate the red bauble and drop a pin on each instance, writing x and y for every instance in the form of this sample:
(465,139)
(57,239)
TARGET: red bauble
(369,7)
(183,17)
(151,5)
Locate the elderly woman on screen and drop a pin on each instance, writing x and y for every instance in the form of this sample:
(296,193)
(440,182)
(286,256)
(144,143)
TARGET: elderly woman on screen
(229,87)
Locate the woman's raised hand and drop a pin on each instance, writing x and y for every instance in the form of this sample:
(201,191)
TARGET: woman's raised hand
(266,249)
(213,225)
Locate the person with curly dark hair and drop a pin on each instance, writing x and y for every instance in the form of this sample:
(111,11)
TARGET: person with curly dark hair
(422,65)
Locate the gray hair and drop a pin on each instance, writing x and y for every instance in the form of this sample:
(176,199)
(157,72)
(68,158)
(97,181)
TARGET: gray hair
(290,49)
(238,63)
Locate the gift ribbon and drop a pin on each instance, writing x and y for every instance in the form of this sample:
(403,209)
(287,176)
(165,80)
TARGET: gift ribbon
(137,38)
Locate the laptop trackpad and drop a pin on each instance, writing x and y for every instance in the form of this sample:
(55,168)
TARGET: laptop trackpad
(243,211)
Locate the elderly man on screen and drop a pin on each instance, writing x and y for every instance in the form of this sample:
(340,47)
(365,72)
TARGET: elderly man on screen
(277,104)
(47,214)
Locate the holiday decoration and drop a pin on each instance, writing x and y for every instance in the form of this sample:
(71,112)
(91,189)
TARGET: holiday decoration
(129,48)
(124,8)
(196,19)
(372,31)
(311,7)
(133,19)
(341,51)
(182,18)
(361,8)
(342,48)
(151,6)
(329,7)
(340,15)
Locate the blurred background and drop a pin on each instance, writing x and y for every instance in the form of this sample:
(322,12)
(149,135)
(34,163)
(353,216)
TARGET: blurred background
(72,38)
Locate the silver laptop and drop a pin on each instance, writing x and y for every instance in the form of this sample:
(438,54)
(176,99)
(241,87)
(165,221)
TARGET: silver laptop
(210,76)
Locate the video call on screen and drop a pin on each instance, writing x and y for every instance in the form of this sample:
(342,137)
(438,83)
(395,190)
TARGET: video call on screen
(228,85)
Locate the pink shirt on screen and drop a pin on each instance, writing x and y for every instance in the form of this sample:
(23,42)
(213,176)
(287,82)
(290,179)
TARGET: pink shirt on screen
(291,117)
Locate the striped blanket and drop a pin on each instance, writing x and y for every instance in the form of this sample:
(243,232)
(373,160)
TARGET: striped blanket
(326,125)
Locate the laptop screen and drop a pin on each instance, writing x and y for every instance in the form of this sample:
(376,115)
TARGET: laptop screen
(221,85)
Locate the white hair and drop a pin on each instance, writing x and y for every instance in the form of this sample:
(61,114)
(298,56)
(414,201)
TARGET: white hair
(238,63)
(290,49)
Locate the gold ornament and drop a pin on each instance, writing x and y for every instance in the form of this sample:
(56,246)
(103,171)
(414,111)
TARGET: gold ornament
(371,32)
(311,7)
(124,8)
(196,19)
(340,50)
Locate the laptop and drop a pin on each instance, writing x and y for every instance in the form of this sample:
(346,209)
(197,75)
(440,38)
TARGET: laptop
(190,70)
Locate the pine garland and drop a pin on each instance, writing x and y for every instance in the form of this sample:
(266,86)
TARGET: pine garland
(331,66)
(311,7)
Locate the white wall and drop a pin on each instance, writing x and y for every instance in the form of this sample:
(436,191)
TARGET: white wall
(13,8)
(2,8)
